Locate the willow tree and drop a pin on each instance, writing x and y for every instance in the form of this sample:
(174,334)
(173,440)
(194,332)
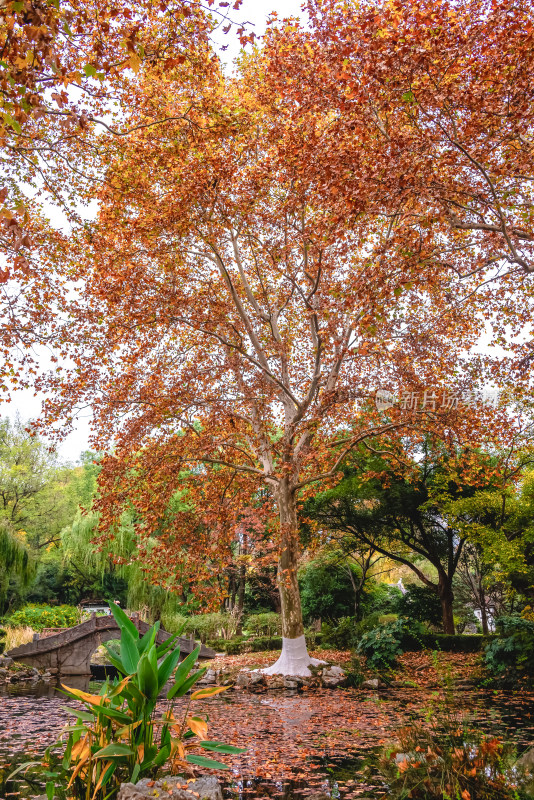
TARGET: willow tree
(15,563)
(232,324)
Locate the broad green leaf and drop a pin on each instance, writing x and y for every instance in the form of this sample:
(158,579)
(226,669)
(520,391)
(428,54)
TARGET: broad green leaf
(66,755)
(179,689)
(114,750)
(221,747)
(123,620)
(156,760)
(129,652)
(85,715)
(200,761)
(167,644)
(148,639)
(112,655)
(186,666)
(118,688)
(167,667)
(109,772)
(114,713)
(153,658)
(147,677)
(23,767)
(131,692)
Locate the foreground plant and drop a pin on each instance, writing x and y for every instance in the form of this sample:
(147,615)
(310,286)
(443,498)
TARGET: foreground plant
(120,737)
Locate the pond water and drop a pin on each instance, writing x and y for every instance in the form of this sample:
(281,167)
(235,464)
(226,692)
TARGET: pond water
(296,742)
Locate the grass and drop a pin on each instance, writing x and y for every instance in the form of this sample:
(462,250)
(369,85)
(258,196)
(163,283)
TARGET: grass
(17,635)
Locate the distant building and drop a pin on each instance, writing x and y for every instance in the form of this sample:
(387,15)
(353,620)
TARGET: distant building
(95,607)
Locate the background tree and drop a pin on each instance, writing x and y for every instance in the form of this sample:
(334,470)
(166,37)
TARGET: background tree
(498,522)
(16,567)
(402,514)
(37,496)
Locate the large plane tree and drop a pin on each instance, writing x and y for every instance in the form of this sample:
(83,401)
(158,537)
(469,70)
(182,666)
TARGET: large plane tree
(234,325)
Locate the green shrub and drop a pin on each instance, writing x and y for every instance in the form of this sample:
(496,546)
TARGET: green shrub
(214,626)
(268,624)
(234,647)
(511,654)
(3,635)
(39,616)
(420,603)
(266,643)
(326,591)
(238,645)
(382,645)
(379,598)
(341,635)
(411,635)
(354,672)
(173,622)
(313,638)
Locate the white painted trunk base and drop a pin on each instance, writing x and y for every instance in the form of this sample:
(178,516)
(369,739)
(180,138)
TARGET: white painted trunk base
(294,659)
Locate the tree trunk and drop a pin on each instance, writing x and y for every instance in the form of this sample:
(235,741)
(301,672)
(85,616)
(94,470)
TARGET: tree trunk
(294,659)
(241,598)
(446,598)
(483,614)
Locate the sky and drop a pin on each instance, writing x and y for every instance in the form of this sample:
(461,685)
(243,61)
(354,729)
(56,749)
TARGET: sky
(24,403)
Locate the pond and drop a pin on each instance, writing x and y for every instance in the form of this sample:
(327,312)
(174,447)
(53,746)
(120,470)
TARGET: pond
(296,742)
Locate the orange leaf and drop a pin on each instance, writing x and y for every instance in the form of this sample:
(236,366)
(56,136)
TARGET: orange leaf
(198,726)
(208,692)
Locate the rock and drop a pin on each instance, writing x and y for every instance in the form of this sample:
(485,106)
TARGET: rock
(256,680)
(248,679)
(292,682)
(526,761)
(243,679)
(374,683)
(333,672)
(333,676)
(53,670)
(276,682)
(206,788)
(211,676)
(6,661)
(332,683)
(525,767)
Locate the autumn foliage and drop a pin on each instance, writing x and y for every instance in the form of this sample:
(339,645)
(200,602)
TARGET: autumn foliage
(350,212)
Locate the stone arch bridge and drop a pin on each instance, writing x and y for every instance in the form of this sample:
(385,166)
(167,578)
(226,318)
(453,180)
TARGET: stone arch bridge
(69,651)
